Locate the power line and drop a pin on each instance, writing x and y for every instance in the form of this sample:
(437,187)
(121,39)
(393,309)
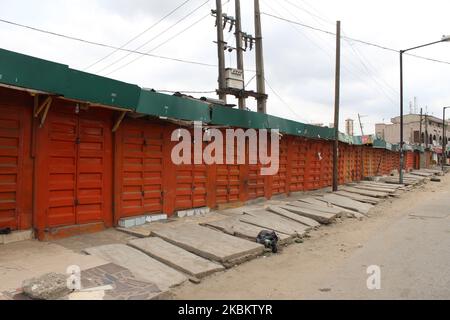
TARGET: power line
(369,67)
(283,101)
(140,34)
(98,44)
(160,45)
(250,81)
(319,13)
(354,74)
(154,38)
(353,39)
(374,77)
(315,17)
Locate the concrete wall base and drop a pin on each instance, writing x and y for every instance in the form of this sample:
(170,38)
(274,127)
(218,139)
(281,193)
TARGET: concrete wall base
(16,236)
(141,220)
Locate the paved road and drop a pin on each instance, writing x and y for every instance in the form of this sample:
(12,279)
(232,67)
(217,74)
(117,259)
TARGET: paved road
(413,253)
(408,238)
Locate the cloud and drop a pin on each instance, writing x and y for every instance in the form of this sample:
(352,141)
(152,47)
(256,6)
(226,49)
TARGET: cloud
(141,8)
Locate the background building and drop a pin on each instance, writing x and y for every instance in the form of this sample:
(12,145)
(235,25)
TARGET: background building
(350,127)
(429,134)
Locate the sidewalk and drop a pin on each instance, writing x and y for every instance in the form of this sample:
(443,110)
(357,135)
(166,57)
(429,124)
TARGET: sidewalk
(198,246)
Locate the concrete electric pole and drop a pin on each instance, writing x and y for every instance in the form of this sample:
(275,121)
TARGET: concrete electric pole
(221,51)
(421,127)
(336,109)
(239,48)
(260,76)
(361,125)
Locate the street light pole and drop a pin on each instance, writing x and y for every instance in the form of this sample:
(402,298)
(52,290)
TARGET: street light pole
(444,137)
(402,142)
(402,154)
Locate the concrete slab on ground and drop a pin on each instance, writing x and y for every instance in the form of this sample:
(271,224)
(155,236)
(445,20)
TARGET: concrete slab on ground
(79,243)
(210,244)
(271,221)
(365,192)
(346,203)
(435,172)
(321,217)
(293,216)
(406,181)
(422,174)
(325,206)
(124,285)
(373,188)
(141,265)
(319,205)
(358,197)
(381,185)
(176,257)
(316,207)
(413,177)
(233,226)
(29,259)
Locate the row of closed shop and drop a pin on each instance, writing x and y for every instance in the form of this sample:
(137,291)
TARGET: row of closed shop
(74,170)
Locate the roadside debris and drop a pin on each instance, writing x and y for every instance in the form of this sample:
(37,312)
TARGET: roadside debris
(5,231)
(51,286)
(269,239)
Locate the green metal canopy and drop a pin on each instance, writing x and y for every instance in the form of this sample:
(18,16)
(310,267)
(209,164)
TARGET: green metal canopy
(32,73)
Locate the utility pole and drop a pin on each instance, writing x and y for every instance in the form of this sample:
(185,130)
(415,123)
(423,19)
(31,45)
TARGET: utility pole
(361,125)
(426,131)
(444,137)
(402,154)
(221,51)
(260,77)
(336,109)
(239,49)
(362,150)
(421,125)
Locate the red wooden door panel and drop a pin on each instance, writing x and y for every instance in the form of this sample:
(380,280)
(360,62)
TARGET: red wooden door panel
(279,180)
(184,187)
(200,190)
(314,165)
(11,153)
(92,170)
(228,179)
(141,168)
(191,190)
(153,165)
(62,168)
(76,178)
(326,164)
(191,182)
(299,150)
(228,184)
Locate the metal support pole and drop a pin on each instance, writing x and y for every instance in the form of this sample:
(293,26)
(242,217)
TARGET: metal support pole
(421,127)
(239,49)
(402,155)
(221,51)
(260,77)
(361,125)
(444,145)
(336,109)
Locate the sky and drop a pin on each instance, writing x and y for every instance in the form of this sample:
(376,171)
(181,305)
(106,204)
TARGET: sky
(299,62)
